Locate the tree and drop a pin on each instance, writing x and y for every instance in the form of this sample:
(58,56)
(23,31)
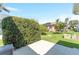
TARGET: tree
(57,21)
(2,7)
(66,24)
(66,20)
(73,24)
(59,26)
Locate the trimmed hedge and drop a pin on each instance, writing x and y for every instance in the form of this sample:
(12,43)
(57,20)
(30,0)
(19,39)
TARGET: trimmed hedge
(20,31)
(43,29)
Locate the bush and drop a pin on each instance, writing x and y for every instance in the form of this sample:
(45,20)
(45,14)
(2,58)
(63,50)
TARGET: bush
(43,29)
(20,31)
(44,33)
(56,32)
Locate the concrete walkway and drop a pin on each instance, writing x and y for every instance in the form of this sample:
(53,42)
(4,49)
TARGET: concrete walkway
(41,47)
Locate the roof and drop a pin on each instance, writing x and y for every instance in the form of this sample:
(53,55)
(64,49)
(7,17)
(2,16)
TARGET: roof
(49,24)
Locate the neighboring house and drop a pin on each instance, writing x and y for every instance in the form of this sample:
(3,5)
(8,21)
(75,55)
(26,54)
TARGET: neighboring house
(51,27)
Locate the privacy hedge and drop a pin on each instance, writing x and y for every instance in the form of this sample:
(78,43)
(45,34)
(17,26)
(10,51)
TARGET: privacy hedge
(20,31)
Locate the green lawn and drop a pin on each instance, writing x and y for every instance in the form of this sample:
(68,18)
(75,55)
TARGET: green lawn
(72,32)
(58,38)
(1,43)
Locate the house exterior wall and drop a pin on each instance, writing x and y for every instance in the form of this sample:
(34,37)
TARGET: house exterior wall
(52,29)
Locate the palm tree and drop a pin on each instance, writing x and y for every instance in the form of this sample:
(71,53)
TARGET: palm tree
(57,25)
(57,20)
(66,20)
(66,24)
(2,7)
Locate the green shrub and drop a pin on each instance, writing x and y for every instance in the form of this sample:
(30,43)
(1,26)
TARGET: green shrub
(43,29)
(56,32)
(20,31)
(44,33)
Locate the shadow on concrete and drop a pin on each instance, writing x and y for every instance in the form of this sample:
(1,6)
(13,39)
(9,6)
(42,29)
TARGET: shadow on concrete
(25,51)
(64,48)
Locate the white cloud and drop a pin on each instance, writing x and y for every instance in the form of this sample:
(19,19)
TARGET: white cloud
(71,17)
(74,17)
(12,9)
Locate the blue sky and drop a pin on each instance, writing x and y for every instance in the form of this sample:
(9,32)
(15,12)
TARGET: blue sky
(41,12)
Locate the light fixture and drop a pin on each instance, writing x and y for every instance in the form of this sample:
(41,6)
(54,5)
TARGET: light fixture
(76,8)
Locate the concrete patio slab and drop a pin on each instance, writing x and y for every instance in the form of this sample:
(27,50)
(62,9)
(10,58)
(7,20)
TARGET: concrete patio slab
(43,47)
(40,47)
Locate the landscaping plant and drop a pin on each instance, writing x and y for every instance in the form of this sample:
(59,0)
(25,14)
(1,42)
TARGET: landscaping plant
(20,31)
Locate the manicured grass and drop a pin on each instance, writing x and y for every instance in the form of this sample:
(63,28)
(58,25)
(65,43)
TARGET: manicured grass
(72,32)
(58,38)
(52,37)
